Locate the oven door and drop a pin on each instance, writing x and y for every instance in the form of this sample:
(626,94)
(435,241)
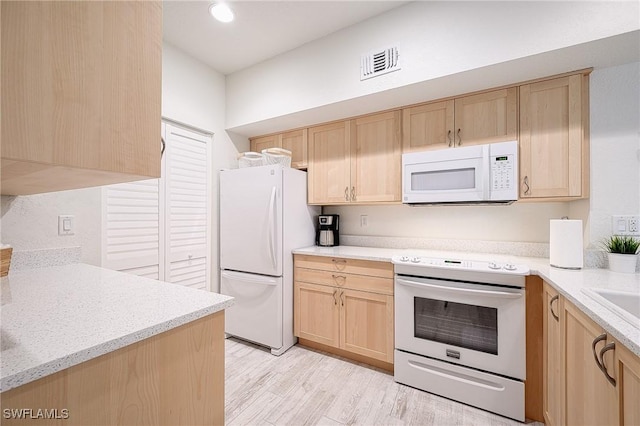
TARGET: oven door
(475,325)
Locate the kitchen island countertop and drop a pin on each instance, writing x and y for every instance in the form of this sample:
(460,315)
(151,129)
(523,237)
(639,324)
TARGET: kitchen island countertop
(569,283)
(56,317)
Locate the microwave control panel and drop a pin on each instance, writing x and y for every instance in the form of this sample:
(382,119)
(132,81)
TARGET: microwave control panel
(502,172)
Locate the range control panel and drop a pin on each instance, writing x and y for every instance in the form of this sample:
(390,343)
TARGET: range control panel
(462,265)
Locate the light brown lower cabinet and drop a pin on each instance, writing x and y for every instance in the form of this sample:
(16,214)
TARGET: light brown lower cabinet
(552,356)
(589,377)
(346,311)
(172,378)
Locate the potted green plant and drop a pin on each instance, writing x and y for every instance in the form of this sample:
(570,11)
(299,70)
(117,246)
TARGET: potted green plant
(622,252)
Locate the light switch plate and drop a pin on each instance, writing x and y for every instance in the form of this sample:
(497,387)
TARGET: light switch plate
(66,225)
(625,225)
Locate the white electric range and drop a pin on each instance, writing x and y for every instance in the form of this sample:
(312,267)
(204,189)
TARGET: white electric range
(460,330)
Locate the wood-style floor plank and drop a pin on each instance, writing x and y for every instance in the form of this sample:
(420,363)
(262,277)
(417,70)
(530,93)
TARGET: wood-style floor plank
(308,387)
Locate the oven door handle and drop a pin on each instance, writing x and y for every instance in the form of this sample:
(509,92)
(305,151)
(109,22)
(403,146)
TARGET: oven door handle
(456,290)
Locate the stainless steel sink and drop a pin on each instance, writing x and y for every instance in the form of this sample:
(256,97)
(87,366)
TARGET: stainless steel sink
(625,304)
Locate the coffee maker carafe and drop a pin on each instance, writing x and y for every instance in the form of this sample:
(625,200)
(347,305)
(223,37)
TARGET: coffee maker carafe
(327,235)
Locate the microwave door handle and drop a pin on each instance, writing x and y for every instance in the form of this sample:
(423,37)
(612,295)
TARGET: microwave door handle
(456,290)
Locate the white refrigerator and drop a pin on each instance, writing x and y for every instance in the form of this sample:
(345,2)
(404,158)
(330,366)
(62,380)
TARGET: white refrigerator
(263,216)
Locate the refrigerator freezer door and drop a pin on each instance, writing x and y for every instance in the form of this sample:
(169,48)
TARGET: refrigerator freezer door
(256,314)
(251,220)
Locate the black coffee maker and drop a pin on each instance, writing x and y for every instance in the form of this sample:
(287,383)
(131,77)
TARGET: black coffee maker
(327,234)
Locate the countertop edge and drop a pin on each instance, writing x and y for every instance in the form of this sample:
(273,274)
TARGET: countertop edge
(26,376)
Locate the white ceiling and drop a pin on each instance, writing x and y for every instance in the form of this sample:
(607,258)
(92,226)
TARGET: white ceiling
(261,30)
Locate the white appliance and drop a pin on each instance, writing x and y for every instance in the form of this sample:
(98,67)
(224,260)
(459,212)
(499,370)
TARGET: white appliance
(468,175)
(460,331)
(263,216)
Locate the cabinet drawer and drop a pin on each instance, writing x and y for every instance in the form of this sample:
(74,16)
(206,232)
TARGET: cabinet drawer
(348,266)
(344,280)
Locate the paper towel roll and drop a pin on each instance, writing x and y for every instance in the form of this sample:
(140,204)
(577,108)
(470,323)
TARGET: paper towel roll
(565,244)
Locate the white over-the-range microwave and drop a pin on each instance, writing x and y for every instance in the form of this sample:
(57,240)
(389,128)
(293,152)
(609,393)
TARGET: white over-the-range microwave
(479,174)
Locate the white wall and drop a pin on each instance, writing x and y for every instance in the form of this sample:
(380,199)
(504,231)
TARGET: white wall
(436,40)
(615,146)
(194,94)
(30,222)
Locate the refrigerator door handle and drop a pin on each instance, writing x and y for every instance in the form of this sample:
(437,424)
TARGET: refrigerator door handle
(272,225)
(248,278)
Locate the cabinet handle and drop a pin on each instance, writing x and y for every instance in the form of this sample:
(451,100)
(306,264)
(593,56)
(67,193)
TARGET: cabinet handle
(346,193)
(525,181)
(342,298)
(449,137)
(553,299)
(459,138)
(353,193)
(601,364)
(163,146)
(337,279)
(335,299)
(339,260)
(598,339)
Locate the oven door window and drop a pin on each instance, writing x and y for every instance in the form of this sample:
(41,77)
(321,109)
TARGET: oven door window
(458,324)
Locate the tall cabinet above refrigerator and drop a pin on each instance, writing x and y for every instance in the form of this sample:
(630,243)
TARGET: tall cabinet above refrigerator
(263,216)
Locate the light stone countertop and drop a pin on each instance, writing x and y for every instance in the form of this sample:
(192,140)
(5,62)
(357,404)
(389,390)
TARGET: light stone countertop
(53,318)
(569,283)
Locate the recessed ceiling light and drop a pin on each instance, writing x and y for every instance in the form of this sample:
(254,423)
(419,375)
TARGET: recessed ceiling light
(221,12)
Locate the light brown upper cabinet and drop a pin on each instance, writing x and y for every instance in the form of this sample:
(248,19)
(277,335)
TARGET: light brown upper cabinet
(265,142)
(470,120)
(329,178)
(294,141)
(81,94)
(554,138)
(356,161)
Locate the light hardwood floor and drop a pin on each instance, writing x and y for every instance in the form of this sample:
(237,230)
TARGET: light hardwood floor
(306,387)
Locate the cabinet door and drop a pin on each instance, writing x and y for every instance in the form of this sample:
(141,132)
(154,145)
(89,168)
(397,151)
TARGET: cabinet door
(296,142)
(628,385)
(486,117)
(376,159)
(552,357)
(367,324)
(316,313)
(329,163)
(264,142)
(589,397)
(553,154)
(428,126)
(82,92)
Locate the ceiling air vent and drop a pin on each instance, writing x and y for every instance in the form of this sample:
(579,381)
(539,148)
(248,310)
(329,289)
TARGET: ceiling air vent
(379,62)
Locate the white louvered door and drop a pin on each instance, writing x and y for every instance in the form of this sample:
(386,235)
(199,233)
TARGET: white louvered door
(159,228)
(131,232)
(187,205)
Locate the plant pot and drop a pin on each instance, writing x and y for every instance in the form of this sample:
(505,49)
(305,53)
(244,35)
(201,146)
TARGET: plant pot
(622,262)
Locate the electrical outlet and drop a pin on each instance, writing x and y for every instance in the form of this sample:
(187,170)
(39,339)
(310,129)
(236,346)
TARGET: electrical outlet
(364,220)
(625,225)
(66,225)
